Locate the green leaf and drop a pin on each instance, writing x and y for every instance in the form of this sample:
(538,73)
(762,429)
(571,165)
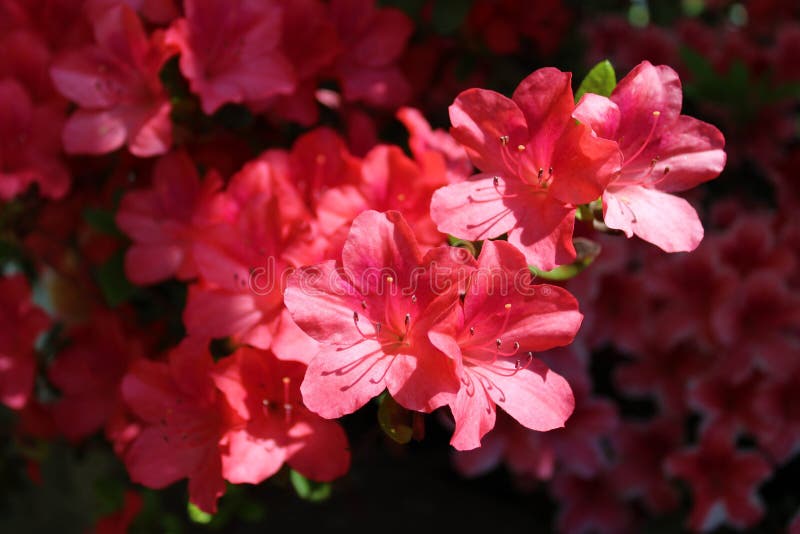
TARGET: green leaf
(586,250)
(394,420)
(308,489)
(601,80)
(101,220)
(196,515)
(112,281)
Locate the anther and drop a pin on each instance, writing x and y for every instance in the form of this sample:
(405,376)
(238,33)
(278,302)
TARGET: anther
(364,304)
(550,171)
(507,306)
(666,170)
(496,181)
(520,148)
(504,140)
(408,320)
(472,330)
(390,279)
(413,299)
(540,173)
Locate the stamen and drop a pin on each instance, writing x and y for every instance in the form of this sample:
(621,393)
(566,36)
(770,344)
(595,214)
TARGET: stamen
(472,330)
(287,406)
(656,116)
(504,140)
(520,148)
(407,321)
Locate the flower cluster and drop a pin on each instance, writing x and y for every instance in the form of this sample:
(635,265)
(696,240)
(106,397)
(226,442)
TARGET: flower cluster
(213,255)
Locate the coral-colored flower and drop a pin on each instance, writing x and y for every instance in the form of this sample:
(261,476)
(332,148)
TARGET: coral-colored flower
(537,164)
(265,392)
(230,54)
(503,320)
(723,481)
(663,152)
(116,85)
(184,418)
(21,322)
(372,314)
(29,144)
(164,220)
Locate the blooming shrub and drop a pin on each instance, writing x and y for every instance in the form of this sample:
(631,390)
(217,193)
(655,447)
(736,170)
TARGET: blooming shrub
(253,276)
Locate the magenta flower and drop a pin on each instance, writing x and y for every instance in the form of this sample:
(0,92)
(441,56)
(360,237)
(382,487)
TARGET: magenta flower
(663,152)
(537,164)
(372,314)
(116,86)
(229,52)
(502,321)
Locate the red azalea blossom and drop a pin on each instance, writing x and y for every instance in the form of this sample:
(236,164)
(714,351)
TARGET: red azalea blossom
(723,480)
(372,41)
(230,54)
(663,152)
(29,144)
(184,418)
(116,86)
(538,164)
(164,220)
(265,392)
(503,320)
(88,373)
(372,314)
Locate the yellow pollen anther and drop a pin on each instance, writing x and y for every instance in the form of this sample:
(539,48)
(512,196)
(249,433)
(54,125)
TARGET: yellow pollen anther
(401,197)
(656,113)
(520,147)
(390,279)
(508,306)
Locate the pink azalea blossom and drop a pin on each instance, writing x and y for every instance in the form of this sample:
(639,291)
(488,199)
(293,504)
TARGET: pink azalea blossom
(230,54)
(663,152)
(537,165)
(265,392)
(372,314)
(116,85)
(21,322)
(502,321)
(244,258)
(164,220)
(184,418)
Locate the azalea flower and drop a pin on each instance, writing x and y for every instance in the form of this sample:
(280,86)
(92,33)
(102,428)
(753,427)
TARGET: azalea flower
(29,144)
(183,420)
(504,319)
(371,313)
(230,54)
(265,392)
(537,165)
(663,152)
(116,85)
(166,219)
(723,480)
